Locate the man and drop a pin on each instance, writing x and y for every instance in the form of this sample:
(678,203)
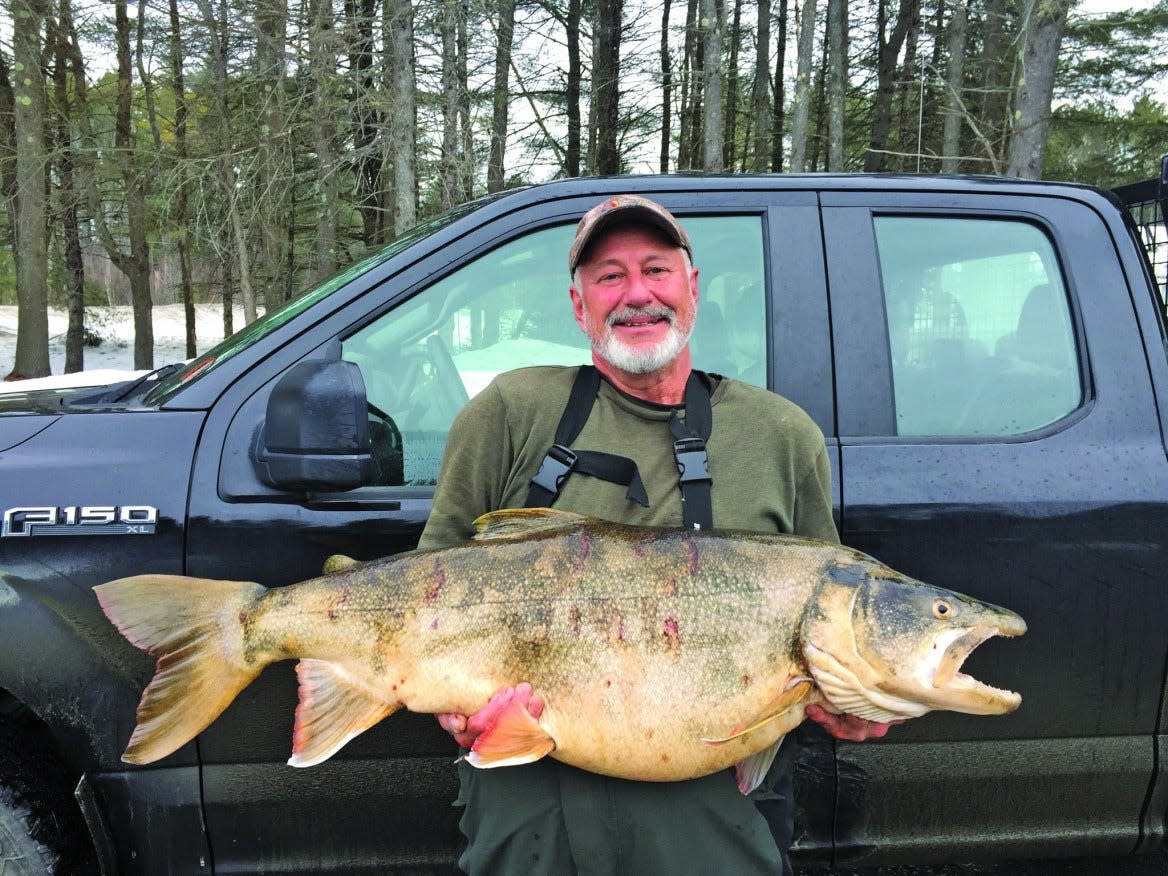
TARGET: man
(610,441)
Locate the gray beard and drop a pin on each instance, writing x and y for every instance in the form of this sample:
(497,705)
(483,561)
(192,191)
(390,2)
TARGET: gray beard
(633,360)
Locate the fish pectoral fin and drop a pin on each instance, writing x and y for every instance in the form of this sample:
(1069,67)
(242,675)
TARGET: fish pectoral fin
(787,700)
(750,772)
(334,707)
(338,563)
(516,522)
(516,738)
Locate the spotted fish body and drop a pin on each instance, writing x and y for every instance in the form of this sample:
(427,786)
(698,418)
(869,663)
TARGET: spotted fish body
(661,654)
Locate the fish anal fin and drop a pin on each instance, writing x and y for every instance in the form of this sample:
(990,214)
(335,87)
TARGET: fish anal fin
(515,738)
(789,699)
(750,771)
(334,707)
(517,522)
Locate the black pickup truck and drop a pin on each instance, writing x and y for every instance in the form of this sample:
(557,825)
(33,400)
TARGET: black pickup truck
(986,359)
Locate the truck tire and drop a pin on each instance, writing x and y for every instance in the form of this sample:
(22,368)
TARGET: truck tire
(41,828)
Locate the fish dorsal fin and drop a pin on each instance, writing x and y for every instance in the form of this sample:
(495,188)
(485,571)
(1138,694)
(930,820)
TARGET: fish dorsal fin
(789,699)
(518,522)
(338,563)
(334,707)
(750,772)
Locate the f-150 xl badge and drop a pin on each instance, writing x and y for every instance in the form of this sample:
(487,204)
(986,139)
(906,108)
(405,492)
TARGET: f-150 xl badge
(80,520)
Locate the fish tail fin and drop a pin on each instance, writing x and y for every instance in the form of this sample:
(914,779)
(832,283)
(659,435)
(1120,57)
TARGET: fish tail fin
(195,627)
(335,705)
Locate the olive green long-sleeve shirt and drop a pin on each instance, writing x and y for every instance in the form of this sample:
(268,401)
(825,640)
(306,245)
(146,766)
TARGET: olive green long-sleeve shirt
(767,458)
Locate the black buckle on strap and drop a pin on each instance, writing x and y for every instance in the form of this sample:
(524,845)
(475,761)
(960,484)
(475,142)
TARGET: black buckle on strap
(556,466)
(692,460)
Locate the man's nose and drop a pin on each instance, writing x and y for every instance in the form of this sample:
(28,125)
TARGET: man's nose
(637,292)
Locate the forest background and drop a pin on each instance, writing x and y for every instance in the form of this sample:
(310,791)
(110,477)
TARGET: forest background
(194,151)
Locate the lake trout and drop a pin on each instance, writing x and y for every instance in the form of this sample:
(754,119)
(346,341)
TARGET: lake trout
(661,654)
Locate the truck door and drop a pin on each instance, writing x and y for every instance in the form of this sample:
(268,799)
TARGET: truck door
(492,297)
(999,437)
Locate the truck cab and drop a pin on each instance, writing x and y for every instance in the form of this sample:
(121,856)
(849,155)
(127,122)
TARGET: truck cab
(986,361)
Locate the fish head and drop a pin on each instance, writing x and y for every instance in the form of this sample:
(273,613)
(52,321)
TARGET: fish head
(884,646)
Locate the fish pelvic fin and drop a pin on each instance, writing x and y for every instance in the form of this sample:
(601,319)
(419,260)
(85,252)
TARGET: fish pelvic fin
(793,697)
(750,772)
(516,738)
(334,707)
(516,522)
(193,626)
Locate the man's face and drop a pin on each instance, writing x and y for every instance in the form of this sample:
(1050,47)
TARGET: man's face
(636,298)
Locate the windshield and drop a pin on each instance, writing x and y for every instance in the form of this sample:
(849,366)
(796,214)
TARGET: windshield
(268,323)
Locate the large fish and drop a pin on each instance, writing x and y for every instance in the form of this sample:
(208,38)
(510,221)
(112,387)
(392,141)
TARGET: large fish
(661,654)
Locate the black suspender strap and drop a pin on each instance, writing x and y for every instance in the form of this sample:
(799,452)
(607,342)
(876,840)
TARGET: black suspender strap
(689,448)
(560,461)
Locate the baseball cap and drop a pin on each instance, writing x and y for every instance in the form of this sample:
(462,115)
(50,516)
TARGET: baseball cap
(625,208)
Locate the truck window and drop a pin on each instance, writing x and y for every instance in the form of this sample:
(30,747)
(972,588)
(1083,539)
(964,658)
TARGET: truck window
(423,360)
(979,327)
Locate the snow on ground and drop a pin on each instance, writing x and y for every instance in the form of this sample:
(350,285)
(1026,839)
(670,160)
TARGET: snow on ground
(115,327)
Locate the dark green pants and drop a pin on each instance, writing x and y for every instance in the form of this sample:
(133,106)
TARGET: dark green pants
(548,818)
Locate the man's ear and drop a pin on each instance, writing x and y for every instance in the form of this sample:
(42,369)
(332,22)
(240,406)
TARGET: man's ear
(578,307)
(693,284)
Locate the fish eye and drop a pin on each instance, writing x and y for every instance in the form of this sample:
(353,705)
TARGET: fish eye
(942,608)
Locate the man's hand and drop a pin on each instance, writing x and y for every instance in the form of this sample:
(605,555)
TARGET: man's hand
(847,727)
(466,730)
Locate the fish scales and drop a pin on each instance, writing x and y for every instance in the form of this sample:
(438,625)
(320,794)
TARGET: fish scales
(661,654)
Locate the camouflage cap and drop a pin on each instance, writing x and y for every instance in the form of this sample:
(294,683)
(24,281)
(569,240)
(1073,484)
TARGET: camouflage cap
(625,208)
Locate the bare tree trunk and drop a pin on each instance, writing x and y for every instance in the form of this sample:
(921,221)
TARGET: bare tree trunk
(273,167)
(837,81)
(500,99)
(7,155)
(402,123)
(606,73)
(178,86)
(466,164)
(910,91)
(32,257)
(730,104)
(322,62)
(666,89)
(760,110)
(359,15)
(67,207)
(820,138)
(1044,22)
(572,90)
(712,110)
(779,92)
(449,159)
(135,265)
(690,91)
(954,105)
(233,235)
(801,100)
(887,52)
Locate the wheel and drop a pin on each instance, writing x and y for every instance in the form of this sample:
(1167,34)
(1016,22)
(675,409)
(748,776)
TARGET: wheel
(41,828)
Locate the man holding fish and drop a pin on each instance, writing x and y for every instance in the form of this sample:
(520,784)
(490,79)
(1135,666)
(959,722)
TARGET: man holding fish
(610,441)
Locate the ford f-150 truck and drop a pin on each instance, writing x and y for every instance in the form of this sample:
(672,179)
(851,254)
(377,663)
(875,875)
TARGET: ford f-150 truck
(986,359)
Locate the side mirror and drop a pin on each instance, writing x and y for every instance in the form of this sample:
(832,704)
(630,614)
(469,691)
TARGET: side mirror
(315,435)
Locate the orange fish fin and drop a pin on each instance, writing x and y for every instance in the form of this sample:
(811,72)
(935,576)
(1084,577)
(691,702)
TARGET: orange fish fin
(788,699)
(750,772)
(516,738)
(516,522)
(334,707)
(190,625)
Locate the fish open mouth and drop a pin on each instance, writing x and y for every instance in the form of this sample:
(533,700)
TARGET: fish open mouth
(964,693)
